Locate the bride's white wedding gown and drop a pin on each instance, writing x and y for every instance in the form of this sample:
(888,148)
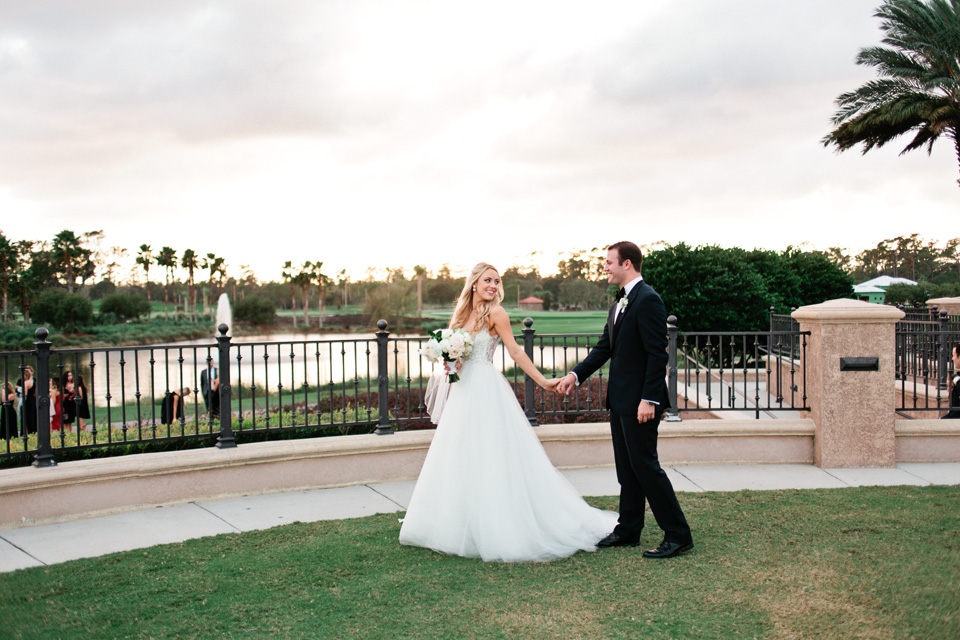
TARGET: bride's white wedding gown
(487,488)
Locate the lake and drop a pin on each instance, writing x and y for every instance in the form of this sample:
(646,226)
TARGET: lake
(275,360)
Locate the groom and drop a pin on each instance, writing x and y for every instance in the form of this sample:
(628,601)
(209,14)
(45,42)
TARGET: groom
(634,340)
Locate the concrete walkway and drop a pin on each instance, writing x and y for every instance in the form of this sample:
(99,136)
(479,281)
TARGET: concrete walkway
(47,544)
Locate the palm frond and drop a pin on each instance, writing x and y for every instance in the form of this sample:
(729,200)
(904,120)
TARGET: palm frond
(918,83)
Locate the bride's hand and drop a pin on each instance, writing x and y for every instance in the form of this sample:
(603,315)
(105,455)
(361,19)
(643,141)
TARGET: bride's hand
(551,385)
(446,366)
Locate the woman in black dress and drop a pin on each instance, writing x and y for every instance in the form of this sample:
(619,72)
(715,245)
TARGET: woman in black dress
(171,410)
(83,409)
(68,399)
(27,392)
(8,413)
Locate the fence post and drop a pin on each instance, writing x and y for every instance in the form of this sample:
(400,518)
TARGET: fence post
(44,456)
(945,348)
(673,412)
(850,400)
(226,439)
(529,387)
(383,381)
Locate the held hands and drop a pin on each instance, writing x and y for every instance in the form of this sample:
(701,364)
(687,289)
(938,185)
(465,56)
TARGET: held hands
(550,385)
(566,384)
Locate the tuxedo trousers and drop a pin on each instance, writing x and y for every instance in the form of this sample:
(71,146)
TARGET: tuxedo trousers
(642,480)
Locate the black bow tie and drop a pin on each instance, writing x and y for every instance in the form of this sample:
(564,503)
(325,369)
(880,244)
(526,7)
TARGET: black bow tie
(620,294)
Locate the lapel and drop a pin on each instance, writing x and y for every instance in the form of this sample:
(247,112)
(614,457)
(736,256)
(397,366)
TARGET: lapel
(613,327)
(616,325)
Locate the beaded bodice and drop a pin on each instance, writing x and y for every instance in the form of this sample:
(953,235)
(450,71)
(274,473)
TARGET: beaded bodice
(484,346)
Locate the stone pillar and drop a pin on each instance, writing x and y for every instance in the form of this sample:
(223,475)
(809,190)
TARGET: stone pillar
(950,305)
(850,371)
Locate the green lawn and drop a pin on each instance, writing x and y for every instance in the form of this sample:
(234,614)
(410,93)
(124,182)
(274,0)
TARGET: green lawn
(838,563)
(590,322)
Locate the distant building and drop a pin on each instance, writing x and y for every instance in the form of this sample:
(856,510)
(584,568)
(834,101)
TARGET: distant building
(531,304)
(876,290)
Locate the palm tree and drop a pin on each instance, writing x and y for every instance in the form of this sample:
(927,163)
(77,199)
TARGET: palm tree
(314,269)
(144,258)
(289,277)
(919,84)
(66,253)
(343,282)
(215,266)
(300,279)
(191,264)
(221,272)
(118,253)
(168,260)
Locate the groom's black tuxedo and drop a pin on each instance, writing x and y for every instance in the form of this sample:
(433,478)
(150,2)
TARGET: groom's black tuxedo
(635,343)
(636,346)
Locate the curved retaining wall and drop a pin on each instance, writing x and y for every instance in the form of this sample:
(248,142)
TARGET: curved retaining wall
(72,489)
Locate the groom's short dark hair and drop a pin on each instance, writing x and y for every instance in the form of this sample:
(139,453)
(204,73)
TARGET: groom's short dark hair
(628,251)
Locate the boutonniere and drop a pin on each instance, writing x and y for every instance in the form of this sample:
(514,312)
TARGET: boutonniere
(622,305)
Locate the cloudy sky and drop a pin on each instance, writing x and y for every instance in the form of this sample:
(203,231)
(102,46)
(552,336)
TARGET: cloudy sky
(390,133)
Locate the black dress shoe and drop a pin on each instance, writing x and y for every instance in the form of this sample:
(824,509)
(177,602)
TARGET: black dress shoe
(615,540)
(668,549)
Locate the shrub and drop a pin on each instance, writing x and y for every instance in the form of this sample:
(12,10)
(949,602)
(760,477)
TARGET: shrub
(392,302)
(255,310)
(102,289)
(65,311)
(124,306)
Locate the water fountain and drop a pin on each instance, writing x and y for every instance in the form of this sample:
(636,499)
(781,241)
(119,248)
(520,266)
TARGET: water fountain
(224,315)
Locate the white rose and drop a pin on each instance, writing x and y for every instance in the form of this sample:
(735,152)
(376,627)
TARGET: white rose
(430,350)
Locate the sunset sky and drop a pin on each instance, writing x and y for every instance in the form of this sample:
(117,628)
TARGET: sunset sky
(388,134)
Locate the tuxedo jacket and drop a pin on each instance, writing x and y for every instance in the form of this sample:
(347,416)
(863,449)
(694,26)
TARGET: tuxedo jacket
(636,346)
(954,412)
(206,385)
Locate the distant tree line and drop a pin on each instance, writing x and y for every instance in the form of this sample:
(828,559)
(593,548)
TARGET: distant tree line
(706,287)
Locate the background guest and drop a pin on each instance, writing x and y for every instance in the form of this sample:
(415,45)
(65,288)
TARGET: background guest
(8,413)
(172,407)
(56,413)
(83,409)
(68,399)
(210,389)
(27,393)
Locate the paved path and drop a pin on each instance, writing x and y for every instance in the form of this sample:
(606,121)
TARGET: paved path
(88,537)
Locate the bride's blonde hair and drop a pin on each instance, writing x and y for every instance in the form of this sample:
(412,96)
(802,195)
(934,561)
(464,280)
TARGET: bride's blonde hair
(465,302)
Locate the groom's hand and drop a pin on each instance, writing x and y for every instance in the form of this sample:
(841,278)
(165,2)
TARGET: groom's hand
(645,412)
(567,384)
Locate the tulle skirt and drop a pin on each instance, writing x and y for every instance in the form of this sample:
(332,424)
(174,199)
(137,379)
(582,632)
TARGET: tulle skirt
(487,488)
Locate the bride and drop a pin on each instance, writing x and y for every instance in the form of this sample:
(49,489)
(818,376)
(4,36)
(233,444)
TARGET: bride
(487,488)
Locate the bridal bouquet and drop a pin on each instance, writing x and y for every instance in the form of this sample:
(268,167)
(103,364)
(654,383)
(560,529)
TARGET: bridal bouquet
(449,344)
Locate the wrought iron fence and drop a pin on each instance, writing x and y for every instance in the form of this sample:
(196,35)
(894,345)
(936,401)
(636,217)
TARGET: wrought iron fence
(925,339)
(759,372)
(228,388)
(783,321)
